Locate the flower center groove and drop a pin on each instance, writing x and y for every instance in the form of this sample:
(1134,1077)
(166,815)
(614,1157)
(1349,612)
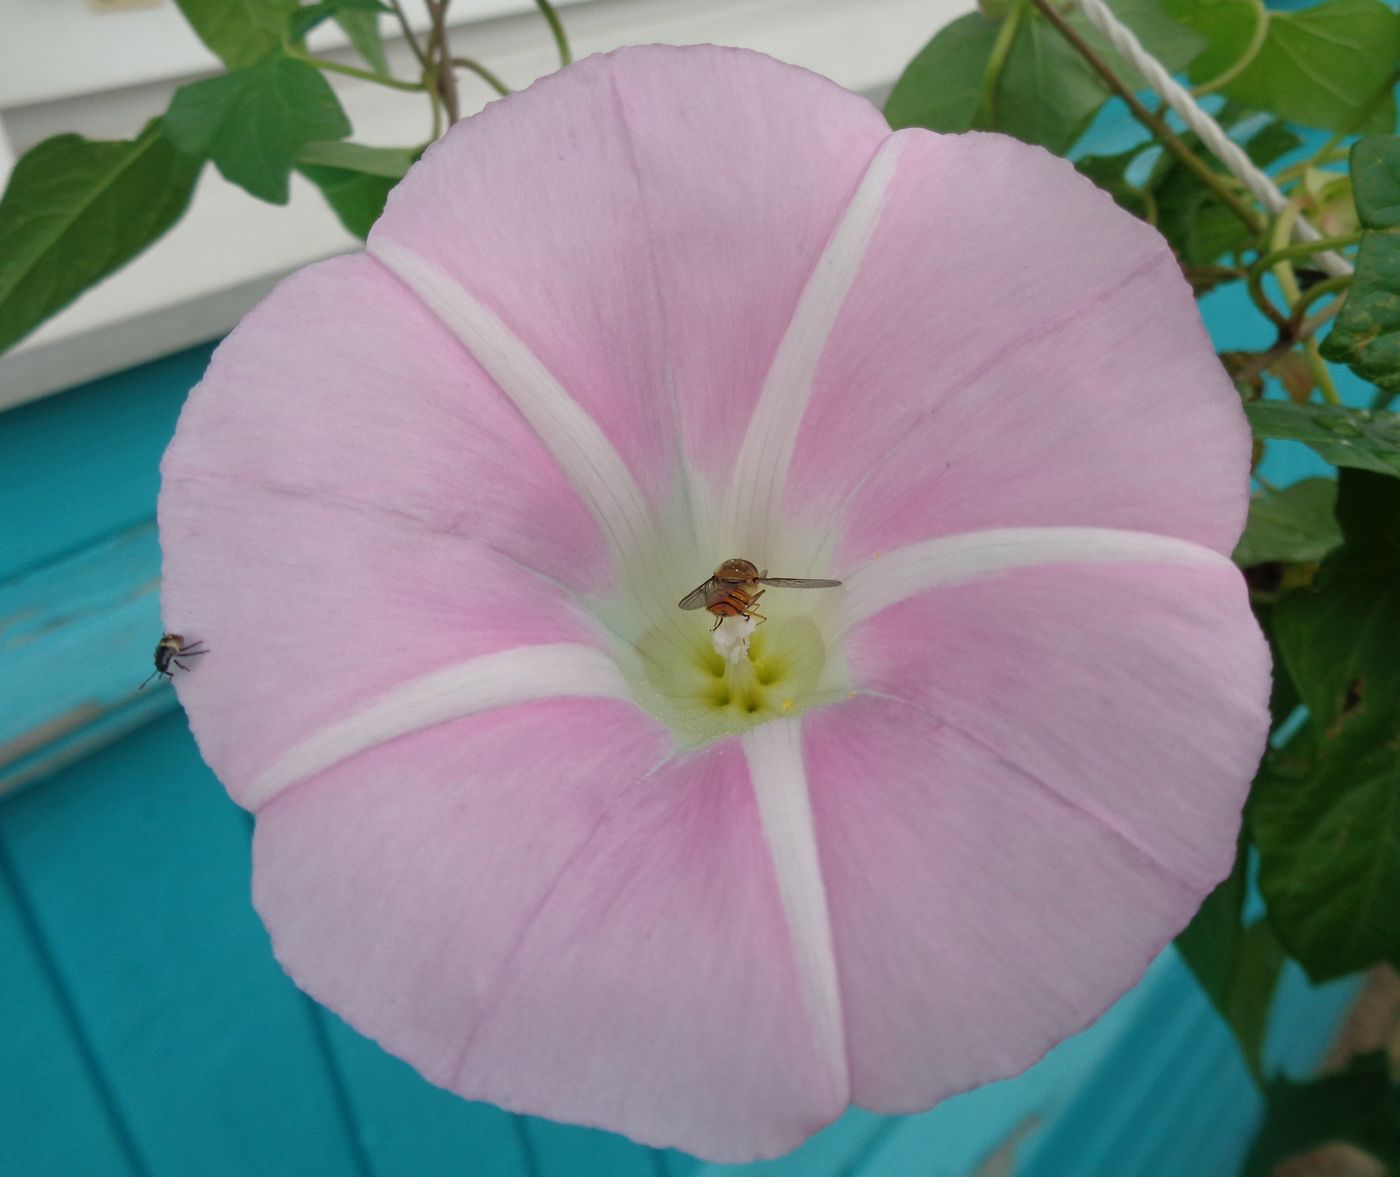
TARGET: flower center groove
(707,684)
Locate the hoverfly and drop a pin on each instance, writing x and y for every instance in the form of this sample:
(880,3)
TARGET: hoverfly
(171,648)
(733,590)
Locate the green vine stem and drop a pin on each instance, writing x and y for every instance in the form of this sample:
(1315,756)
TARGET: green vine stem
(1305,249)
(1319,290)
(996,61)
(556,26)
(483,73)
(1198,167)
(1255,286)
(1321,373)
(1279,259)
(444,80)
(1329,152)
(410,38)
(349,71)
(1246,59)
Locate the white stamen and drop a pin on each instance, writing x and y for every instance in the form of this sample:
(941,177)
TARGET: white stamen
(756,489)
(492,681)
(774,752)
(731,639)
(897,575)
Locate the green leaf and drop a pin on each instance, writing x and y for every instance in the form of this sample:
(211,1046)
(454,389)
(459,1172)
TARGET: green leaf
(1237,968)
(1353,438)
(1228,28)
(1170,41)
(392,162)
(77,209)
(941,87)
(253,122)
(1045,94)
(1375,181)
(357,197)
(1366,336)
(361,25)
(358,18)
(1251,995)
(1323,67)
(1284,698)
(1210,943)
(239,31)
(1294,525)
(1332,636)
(1326,809)
(1354,1106)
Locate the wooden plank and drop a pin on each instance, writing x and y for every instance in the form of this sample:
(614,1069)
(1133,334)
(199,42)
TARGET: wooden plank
(56,1109)
(565,1150)
(409,1128)
(1004,1119)
(833,1152)
(76,638)
(80,565)
(77,468)
(137,869)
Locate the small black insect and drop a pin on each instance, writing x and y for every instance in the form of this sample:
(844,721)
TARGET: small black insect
(170,649)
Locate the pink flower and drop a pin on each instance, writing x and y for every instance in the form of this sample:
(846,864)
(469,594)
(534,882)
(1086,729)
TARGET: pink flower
(519,819)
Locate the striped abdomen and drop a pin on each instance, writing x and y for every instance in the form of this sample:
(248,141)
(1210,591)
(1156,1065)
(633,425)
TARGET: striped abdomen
(735,603)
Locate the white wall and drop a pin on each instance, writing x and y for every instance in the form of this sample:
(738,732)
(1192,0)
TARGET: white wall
(103,67)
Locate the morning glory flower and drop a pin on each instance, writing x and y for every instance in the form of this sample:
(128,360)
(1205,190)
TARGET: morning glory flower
(554,840)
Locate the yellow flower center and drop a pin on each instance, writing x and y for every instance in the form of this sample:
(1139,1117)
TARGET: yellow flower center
(706,684)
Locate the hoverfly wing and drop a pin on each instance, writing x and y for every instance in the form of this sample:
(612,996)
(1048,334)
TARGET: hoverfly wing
(695,599)
(789,582)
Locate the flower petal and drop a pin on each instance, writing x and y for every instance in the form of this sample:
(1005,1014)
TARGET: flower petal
(955,559)
(1016,351)
(774,752)
(396,883)
(1134,692)
(524,911)
(978,918)
(751,520)
(341,386)
(503,679)
(648,249)
(309,609)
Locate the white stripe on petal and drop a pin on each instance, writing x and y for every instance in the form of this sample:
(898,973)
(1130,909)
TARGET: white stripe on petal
(906,572)
(774,752)
(567,430)
(756,489)
(492,681)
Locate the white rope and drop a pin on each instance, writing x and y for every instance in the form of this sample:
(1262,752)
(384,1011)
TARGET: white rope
(1211,133)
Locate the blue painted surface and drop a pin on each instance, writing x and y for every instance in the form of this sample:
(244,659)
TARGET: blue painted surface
(85,465)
